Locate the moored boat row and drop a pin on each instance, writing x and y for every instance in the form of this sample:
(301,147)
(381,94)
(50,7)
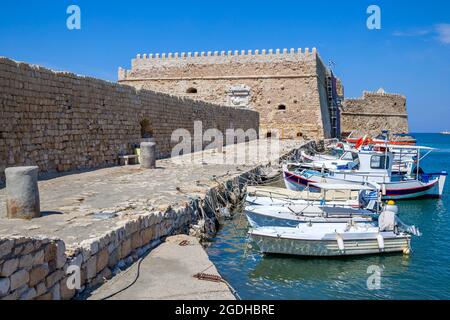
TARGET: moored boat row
(333,203)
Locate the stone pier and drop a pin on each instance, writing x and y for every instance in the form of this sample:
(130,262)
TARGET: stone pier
(103,220)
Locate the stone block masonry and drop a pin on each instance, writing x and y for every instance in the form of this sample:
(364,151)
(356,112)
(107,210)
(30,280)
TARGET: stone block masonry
(103,220)
(374,112)
(60,121)
(287,87)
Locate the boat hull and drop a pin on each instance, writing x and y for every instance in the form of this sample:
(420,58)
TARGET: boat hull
(329,248)
(258,219)
(390,191)
(267,201)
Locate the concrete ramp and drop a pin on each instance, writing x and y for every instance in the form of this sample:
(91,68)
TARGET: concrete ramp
(166,273)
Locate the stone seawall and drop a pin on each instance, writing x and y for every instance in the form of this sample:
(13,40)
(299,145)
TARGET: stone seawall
(60,121)
(36,266)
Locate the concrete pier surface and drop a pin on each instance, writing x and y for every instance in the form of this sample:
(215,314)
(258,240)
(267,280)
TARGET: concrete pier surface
(101,221)
(166,273)
(79,206)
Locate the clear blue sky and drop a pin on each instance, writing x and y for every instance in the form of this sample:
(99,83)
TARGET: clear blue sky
(409,55)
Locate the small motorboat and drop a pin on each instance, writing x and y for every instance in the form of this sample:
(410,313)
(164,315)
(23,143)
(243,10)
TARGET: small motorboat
(347,195)
(291,216)
(336,239)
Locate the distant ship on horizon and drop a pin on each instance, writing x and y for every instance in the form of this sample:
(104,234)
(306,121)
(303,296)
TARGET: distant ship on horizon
(445,132)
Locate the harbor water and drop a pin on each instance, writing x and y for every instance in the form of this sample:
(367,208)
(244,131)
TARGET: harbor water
(424,274)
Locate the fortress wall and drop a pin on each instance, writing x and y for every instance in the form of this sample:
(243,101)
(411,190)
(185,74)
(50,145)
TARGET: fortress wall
(60,121)
(374,112)
(274,78)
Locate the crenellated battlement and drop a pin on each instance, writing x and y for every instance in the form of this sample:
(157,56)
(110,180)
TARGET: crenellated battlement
(236,53)
(378,93)
(156,61)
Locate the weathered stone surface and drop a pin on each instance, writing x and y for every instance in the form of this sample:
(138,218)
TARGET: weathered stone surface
(125,248)
(28,295)
(9,267)
(66,293)
(4,286)
(102,259)
(38,274)
(374,112)
(19,279)
(146,235)
(47,296)
(41,289)
(92,245)
(102,277)
(136,240)
(53,278)
(5,247)
(89,122)
(38,257)
(50,253)
(113,258)
(60,254)
(26,261)
(91,267)
(56,292)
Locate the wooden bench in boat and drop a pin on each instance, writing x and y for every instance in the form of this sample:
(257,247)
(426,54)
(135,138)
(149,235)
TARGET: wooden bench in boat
(127,158)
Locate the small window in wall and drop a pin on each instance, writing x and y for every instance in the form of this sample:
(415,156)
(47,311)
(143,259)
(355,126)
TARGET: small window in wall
(191,90)
(379,162)
(146,129)
(268,134)
(281,107)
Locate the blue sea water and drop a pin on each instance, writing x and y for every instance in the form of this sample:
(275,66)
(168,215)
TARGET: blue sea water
(424,274)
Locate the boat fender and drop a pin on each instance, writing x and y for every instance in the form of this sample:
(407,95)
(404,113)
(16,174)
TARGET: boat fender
(340,242)
(380,240)
(383,189)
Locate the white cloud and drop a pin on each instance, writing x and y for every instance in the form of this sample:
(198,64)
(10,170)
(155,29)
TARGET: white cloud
(443,33)
(412,33)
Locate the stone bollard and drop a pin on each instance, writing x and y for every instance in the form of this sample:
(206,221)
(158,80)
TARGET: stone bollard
(22,193)
(148,155)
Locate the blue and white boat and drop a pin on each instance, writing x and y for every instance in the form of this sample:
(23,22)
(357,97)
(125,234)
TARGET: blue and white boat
(375,167)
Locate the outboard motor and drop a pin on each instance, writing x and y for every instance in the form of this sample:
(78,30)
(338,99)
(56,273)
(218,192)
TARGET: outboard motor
(387,221)
(391,206)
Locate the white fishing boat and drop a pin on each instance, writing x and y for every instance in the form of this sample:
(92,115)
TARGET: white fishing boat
(347,195)
(291,216)
(375,167)
(348,160)
(336,239)
(445,132)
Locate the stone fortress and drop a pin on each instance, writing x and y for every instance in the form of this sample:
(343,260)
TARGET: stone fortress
(60,121)
(295,93)
(291,89)
(373,112)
